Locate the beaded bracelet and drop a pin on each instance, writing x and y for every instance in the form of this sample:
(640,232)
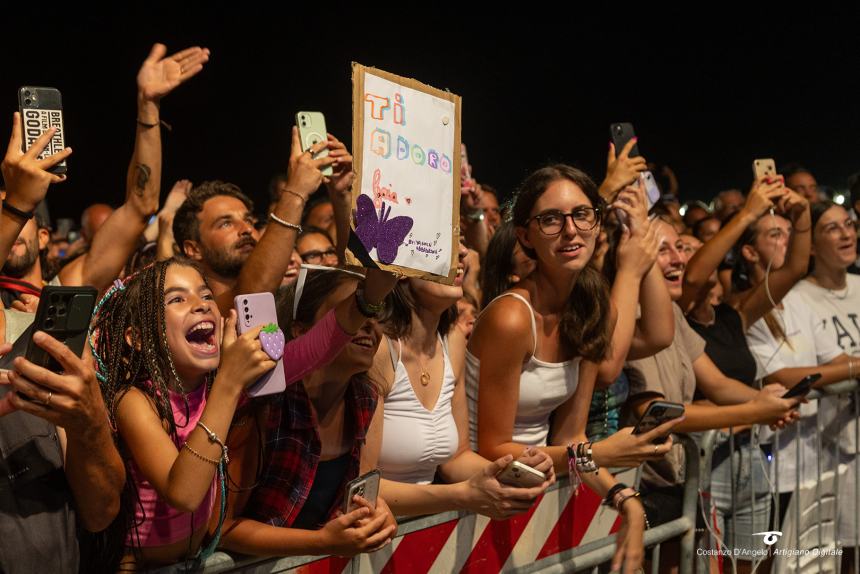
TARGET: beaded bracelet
(200,456)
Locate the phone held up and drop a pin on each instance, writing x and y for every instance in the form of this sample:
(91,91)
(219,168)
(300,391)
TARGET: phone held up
(312,131)
(253,310)
(42,109)
(522,475)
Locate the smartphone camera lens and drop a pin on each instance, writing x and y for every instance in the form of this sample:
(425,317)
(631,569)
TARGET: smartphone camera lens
(27,93)
(49,323)
(247,317)
(52,310)
(245,302)
(27,102)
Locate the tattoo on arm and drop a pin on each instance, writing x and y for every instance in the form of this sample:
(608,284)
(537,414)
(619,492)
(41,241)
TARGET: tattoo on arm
(143,173)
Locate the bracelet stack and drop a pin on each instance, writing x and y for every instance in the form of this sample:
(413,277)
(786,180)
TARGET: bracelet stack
(579,460)
(213,438)
(618,495)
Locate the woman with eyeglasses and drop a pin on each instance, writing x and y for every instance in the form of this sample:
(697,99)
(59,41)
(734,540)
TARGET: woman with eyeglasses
(535,350)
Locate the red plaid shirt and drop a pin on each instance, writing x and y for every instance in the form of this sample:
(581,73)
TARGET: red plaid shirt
(293,452)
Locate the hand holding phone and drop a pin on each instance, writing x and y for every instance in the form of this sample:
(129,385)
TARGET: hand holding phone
(254,310)
(803,387)
(42,110)
(657,413)
(312,131)
(365,486)
(521,475)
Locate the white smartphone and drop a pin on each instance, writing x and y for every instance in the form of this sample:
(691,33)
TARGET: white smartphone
(522,475)
(764,167)
(311,132)
(651,188)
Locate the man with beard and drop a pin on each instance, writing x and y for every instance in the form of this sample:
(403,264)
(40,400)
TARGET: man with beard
(22,273)
(215,225)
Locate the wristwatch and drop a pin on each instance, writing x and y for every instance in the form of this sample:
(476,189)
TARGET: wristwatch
(475,215)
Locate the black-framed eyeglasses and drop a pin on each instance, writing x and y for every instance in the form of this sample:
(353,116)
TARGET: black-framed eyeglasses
(316,256)
(552,222)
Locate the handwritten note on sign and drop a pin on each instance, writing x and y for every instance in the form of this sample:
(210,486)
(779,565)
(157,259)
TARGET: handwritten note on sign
(404,206)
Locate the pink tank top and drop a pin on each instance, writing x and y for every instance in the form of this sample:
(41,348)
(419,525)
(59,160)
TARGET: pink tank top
(158,523)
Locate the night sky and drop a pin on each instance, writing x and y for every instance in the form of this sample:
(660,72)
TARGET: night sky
(706,95)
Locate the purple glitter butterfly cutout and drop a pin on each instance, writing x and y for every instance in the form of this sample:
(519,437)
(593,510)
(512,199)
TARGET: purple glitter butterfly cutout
(378,231)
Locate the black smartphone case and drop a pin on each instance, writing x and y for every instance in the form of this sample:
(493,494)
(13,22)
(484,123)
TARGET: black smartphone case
(64,313)
(621,133)
(42,108)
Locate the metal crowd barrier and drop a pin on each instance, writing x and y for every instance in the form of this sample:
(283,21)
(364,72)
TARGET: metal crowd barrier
(559,534)
(808,539)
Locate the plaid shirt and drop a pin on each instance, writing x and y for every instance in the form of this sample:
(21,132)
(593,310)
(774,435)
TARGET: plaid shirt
(293,452)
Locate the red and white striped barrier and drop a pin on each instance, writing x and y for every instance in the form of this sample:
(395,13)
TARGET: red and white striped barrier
(468,543)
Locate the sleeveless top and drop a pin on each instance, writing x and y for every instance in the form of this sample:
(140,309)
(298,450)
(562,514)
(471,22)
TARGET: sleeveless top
(543,388)
(158,523)
(415,440)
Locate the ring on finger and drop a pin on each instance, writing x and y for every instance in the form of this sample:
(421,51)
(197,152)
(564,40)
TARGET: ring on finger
(47,402)
(656,448)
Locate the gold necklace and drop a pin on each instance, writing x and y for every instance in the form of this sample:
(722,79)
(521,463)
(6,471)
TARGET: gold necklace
(425,376)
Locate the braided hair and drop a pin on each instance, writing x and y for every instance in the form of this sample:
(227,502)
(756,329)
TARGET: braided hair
(136,306)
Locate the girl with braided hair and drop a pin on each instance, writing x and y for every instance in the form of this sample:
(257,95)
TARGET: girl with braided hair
(157,340)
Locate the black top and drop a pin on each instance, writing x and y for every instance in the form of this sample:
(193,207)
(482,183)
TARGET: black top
(326,484)
(726,344)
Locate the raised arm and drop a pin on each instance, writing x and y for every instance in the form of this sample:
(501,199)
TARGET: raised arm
(709,256)
(117,239)
(637,252)
(779,283)
(179,476)
(166,244)
(27,179)
(265,267)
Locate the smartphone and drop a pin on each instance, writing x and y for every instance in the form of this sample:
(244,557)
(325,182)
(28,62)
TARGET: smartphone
(803,387)
(652,190)
(365,486)
(764,168)
(253,310)
(311,132)
(42,109)
(522,475)
(621,133)
(63,313)
(657,413)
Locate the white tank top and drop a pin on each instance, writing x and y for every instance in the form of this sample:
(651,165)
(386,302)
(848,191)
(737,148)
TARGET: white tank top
(543,388)
(415,440)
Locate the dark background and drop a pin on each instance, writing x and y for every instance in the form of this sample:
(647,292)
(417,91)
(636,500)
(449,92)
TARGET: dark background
(707,93)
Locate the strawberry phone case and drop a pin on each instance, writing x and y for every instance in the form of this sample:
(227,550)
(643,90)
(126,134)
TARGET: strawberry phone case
(257,309)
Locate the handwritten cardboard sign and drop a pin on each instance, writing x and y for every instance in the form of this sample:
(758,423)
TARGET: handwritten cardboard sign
(406,140)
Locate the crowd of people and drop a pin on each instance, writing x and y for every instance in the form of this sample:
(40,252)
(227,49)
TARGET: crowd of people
(576,304)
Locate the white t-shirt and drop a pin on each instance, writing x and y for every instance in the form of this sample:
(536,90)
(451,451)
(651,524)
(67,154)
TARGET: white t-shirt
(838,312)
(805,345)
